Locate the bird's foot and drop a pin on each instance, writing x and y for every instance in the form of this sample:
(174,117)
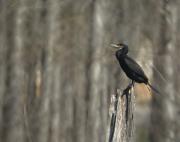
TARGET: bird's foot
(126,91)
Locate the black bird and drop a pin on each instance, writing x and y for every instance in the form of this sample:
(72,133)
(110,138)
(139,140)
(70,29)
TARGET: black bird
(131,67)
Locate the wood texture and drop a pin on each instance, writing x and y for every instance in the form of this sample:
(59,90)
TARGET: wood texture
(121,120)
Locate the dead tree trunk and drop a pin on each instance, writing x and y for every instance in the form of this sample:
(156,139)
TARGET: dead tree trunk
(121,116)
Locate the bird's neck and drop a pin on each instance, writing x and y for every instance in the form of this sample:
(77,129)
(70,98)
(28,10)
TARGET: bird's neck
(123,63)
(122,57)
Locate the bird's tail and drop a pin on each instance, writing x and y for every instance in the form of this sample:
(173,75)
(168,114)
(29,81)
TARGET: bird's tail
(153,88)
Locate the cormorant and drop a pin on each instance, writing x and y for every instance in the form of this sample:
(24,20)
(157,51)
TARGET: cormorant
(130,67)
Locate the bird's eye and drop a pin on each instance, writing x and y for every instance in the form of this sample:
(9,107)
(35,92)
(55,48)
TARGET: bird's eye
(120,44)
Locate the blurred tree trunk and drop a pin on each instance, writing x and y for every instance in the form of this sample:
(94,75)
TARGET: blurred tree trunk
(176,30)
(2,62)
(163,106)
(12,109)
(99,71)
(65,69)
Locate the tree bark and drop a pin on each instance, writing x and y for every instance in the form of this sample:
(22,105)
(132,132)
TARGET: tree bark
(121,116)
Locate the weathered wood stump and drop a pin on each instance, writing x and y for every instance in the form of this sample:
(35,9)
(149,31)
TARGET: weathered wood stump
(121,116)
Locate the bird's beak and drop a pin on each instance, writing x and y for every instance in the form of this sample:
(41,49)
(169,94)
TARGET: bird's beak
(116,46)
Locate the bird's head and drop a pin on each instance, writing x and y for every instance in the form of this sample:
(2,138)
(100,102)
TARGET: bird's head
(122,49)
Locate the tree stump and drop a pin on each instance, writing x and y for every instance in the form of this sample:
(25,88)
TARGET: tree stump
(121,116)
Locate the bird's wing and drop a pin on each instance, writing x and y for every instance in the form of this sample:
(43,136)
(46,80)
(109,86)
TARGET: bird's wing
(133,65)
